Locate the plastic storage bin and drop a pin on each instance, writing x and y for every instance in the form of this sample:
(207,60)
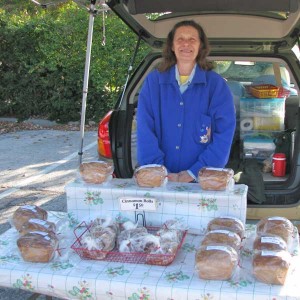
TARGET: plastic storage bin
(253,107)
(259,134)
(258,147)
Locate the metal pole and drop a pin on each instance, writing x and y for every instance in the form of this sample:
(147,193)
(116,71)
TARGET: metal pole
(86,76)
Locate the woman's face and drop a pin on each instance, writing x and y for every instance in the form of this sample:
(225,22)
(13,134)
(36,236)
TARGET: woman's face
(186,44)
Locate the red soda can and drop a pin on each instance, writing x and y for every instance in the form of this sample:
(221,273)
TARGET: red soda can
(278,164)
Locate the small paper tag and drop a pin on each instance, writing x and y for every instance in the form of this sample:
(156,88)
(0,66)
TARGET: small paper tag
(138,203)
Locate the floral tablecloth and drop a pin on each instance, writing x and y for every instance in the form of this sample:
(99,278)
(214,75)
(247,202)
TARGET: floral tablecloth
(186,201)
(70,277)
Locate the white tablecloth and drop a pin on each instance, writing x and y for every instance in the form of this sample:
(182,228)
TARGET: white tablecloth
(70,277)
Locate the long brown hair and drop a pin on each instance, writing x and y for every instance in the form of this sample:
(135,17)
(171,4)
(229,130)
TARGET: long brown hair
(169,58)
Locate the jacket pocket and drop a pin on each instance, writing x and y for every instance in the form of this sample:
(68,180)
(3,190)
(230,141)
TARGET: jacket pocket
(202,131)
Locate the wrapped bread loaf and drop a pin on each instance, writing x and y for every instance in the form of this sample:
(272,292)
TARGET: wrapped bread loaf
(215,179)
(222,237)
(37,225)
(216,262)
(267,242)
(38,246)
(99,239)
(164,255)
(277,226)
(227,223)
(151,175)
(96,172)
(26,212)
(271,267)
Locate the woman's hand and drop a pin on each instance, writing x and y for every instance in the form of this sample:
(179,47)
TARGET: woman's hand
(184,176)
(173,177)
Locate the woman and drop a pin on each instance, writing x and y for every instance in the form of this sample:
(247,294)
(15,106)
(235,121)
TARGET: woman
(186,115)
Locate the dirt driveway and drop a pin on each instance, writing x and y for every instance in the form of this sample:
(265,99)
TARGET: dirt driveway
(35,167)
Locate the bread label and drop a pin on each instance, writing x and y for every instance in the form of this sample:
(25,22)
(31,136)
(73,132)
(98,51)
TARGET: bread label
(227,232)
(271,240)
(221,248)
(285,255)
(277,219)
(40,232)
(29,207)
(39,222)
(138,203)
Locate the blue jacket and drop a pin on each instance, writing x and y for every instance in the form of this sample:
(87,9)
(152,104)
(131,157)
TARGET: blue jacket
(185,131)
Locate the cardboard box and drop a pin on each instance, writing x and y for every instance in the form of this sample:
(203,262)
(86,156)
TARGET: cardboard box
(184,201)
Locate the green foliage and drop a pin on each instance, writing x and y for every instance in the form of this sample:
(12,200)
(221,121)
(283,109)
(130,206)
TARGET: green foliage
(42,61)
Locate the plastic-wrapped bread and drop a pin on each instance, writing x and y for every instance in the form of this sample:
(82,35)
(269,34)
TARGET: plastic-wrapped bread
(37,225)
(38,246)
(215,179)
(269,242)
(271,267)
(96,172)
(99,239)
(216,262)
(151,175)
(222,237)
(26,212)
(169,235)
(227,223)
(277,226)
(128,234)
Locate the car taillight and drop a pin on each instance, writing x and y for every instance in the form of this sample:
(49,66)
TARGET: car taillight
(104,148)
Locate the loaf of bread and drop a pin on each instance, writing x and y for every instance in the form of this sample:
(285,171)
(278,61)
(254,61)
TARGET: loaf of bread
(227,223)
(267,242)
(277,226)
(151,176)
(96,172)
(222,237)
(37,225)
(215,179)
(271,267)
(216,262)
(163,256)
(38,246)
(99,239)
(26,212)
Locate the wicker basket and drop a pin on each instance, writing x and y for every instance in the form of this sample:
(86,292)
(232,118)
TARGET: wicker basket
(264,91)
(123,257)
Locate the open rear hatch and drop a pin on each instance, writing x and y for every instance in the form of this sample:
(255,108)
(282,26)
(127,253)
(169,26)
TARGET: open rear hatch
(252,22)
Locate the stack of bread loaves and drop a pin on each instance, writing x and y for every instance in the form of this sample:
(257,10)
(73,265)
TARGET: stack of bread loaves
(271,259)
(218,255)
(38,241)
